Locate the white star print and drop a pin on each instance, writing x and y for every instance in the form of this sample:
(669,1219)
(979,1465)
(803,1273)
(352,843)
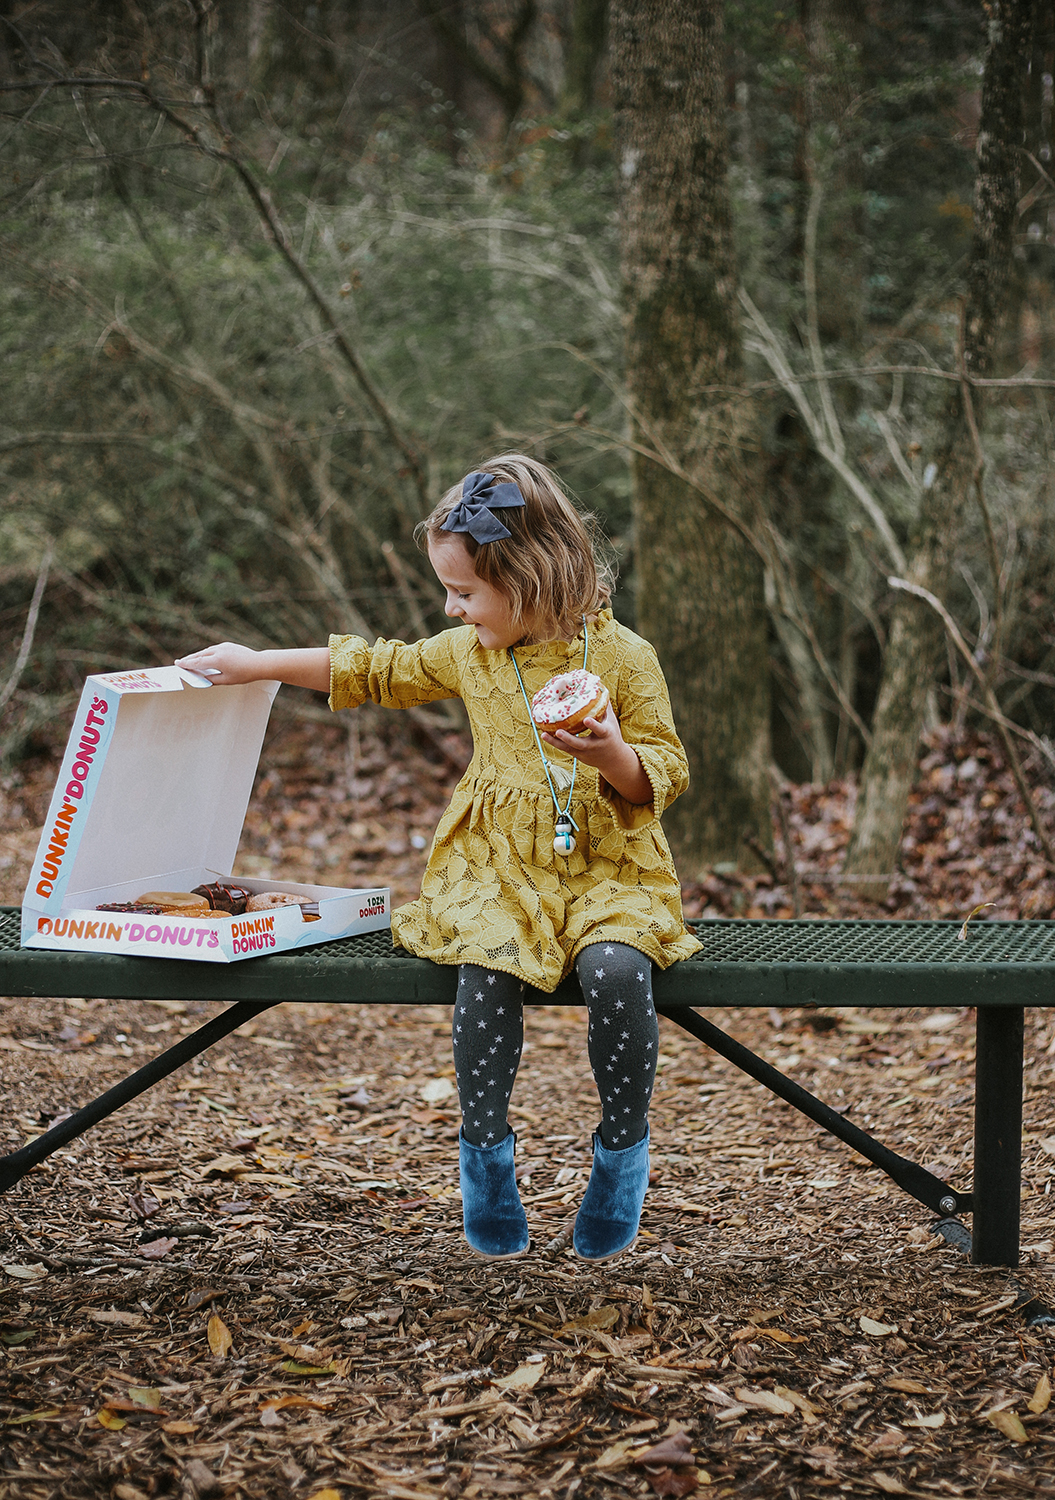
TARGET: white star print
(482,1025)
(641,977)
(479,995)
(609,950)
(593,994)
(599,973)
(492,978)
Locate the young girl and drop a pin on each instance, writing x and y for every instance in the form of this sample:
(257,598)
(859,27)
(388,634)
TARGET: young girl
(550,856)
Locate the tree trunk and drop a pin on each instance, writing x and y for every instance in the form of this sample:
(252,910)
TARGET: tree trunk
(700,596)
(916,645)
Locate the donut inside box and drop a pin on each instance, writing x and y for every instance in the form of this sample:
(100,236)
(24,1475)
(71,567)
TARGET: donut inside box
(152,796)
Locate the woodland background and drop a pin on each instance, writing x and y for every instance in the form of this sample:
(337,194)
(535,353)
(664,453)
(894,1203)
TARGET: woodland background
(276,275)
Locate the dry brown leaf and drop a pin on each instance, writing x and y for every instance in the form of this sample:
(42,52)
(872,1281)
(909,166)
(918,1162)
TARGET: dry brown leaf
(875,1330)
(778,1335)
(599,1318)
(118,1318)
(934,1420)
(777,1406)
(909,1387)
(810,1413)
(523,1378)
(1010,1425)
(675,1449)
(179,1428)
(1041,1397)
(220,1340)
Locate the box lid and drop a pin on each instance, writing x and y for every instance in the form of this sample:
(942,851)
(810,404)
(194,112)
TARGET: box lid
(174,781)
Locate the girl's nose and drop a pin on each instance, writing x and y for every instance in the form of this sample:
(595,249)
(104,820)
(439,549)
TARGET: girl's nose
(452,607)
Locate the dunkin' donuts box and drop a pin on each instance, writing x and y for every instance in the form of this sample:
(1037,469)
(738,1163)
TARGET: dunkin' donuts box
(152,796)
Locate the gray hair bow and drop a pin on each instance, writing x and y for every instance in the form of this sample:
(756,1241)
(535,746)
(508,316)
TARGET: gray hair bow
(481,495)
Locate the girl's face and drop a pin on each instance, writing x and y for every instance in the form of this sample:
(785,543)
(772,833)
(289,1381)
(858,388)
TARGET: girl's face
(472,600)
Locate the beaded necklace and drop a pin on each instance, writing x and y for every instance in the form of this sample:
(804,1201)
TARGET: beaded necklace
(564,840)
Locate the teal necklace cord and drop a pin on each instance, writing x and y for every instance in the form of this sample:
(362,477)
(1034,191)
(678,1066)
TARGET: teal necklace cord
(563,843)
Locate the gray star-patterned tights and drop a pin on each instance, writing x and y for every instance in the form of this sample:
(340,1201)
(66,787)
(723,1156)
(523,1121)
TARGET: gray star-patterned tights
(623,1043)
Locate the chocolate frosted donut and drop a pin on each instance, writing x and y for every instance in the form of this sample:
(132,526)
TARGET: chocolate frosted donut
(228,899)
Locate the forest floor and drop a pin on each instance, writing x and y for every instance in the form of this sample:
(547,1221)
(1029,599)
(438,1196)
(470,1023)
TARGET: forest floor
(252,1283)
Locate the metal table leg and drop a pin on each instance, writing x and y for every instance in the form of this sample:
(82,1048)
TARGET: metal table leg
(997,1189)
(18,1163)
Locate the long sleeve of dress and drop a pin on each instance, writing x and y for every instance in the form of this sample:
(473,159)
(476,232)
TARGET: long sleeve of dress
(647,725)
(392,673)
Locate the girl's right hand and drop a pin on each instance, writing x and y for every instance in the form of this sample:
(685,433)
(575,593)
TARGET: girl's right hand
(228,664)
(225,664)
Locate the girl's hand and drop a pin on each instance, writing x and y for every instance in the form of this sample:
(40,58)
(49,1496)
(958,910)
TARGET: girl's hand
(228,664)
(606,749)
(225,664)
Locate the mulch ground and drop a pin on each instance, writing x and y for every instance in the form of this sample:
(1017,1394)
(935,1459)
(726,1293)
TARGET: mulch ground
(251,1282)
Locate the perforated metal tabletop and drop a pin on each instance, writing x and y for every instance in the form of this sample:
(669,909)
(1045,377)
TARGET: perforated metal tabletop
(884,963)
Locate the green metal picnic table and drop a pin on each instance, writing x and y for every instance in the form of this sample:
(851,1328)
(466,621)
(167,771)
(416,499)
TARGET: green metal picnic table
(998,967)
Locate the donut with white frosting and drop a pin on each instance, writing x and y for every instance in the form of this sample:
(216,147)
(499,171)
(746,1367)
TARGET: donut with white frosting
(567,700)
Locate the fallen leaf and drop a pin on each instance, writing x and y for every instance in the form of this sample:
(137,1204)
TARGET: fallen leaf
(674,1481)
(278,1403)
(436,1090)
(615,1456)
(910,1387)
(143,1205)
(128,1492)
(1041,1397)
(297,1367)
(199,1299)
(155,1249)
(875,1330)
(1010,1425)
(118,1318)
(12,1336)
(676,1449)
(44,1414)
(225,1164)
(600,1318)
(810,1413)
(219,1335)
(888,1483)
(326,1494)
(35,1272)
(110,1419)
(179,1428)
(523,1378)
(145,1396)
(769,1401)
(778,1335)
(962,934)
(936,1419)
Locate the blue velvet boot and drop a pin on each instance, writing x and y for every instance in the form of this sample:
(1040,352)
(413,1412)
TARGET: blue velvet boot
(492,1214)
(607,1221)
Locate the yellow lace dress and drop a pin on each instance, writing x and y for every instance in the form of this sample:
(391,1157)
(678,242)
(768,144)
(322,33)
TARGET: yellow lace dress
(495,892)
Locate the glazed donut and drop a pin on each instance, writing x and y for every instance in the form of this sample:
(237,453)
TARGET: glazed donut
(567,700)
(175,903)
(267,900)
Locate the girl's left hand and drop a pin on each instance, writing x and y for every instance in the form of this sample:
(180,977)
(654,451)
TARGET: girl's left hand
(605,748)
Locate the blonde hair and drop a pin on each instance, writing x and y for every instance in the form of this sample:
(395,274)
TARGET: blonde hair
(548,567)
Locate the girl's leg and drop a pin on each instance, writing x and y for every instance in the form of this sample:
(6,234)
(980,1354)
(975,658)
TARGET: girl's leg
(488,1034)
(624,1042)
(623,1038)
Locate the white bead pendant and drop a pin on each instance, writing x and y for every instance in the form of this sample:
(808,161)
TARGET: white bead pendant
(564,842)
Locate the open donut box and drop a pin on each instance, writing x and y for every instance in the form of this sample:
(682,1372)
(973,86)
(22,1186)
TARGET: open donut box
(152,795)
